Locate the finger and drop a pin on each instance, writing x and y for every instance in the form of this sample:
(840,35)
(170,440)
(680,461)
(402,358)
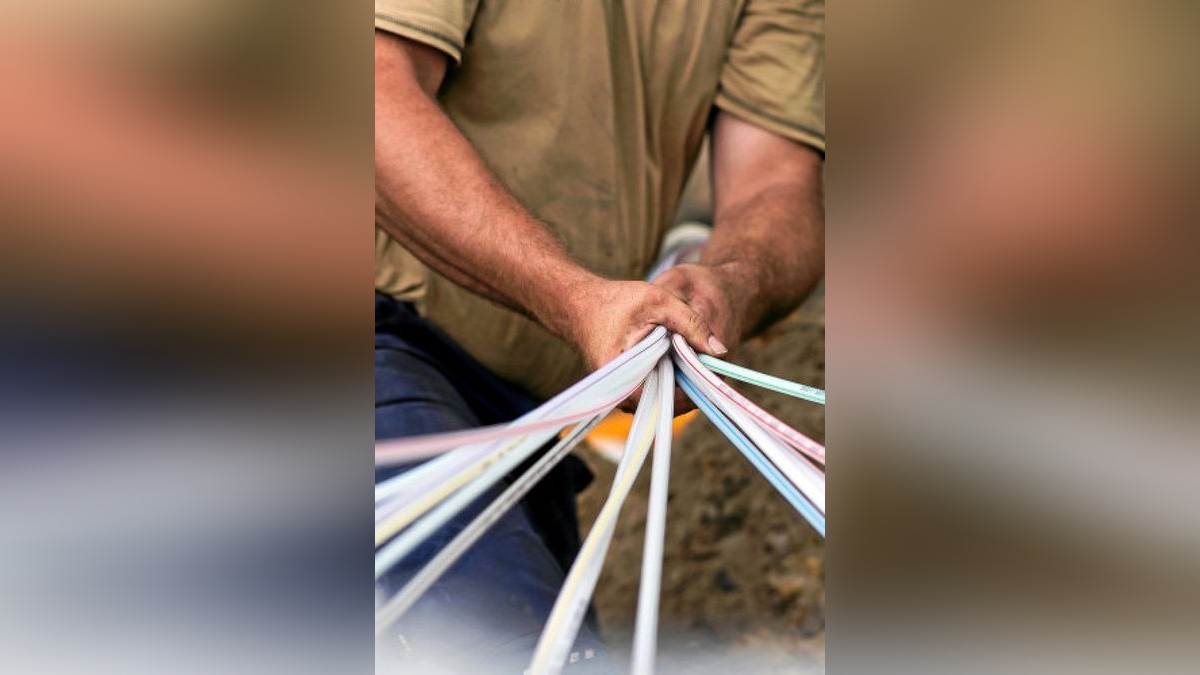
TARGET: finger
(680,318)
(635,337)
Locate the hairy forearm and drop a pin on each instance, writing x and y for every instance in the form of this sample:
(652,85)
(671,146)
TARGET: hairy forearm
(769,251)
(436,196)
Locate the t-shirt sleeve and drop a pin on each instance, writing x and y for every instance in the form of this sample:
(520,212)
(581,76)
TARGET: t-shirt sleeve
(774,72)
(441,24)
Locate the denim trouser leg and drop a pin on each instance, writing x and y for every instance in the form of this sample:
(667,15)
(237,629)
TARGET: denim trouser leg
(489,608)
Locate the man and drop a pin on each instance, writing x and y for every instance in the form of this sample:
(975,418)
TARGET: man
(528,160)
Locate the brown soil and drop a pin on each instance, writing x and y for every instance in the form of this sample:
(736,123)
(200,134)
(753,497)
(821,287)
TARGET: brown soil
(741,569)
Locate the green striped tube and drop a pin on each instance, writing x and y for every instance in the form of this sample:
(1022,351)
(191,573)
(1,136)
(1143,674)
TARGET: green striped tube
(763,380)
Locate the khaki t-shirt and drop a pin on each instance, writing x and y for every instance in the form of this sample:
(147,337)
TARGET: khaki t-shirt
(592,113)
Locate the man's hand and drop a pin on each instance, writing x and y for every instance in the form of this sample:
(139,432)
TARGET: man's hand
(602,318)
(713,293)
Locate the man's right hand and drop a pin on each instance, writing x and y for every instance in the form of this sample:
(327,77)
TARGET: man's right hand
(607,317)
(602,318)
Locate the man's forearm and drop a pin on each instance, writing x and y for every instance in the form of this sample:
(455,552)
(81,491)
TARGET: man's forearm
(768,250)
(436,196)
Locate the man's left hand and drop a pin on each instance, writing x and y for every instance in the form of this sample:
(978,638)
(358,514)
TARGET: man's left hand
(712,294)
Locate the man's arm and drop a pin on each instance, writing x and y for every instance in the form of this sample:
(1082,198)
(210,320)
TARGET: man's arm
(435,195)
(767,249)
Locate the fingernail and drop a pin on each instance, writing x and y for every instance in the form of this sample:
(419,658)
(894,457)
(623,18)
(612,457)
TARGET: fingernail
(715,345)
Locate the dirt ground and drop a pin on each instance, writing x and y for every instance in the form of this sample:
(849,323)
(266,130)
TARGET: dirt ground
(742,571)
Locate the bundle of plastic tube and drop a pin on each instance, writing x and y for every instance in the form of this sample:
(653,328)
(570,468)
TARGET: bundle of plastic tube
(458,467)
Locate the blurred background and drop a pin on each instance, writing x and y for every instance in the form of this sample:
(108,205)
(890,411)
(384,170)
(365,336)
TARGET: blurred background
(185,378)
(1012,292)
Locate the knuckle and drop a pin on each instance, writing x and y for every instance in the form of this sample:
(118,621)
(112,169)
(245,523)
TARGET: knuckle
(658,294)
(672,279)
(660,302)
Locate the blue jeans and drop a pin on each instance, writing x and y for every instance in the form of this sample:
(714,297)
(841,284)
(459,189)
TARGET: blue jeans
(489,608)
